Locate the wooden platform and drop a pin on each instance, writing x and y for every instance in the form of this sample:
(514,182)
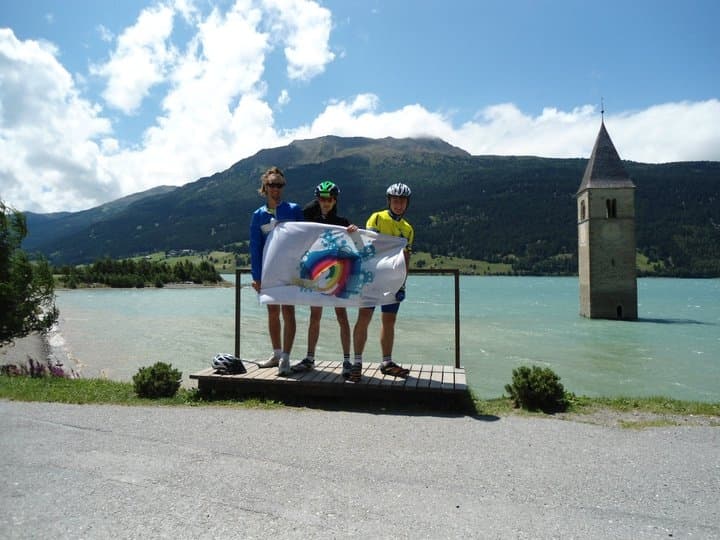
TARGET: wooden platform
(425,381)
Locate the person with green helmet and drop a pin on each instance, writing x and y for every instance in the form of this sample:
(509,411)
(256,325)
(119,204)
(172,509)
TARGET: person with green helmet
(323,209)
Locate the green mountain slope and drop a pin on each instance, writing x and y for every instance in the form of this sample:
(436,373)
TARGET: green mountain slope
(513,209)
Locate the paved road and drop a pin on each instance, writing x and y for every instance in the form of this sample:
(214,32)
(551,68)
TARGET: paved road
(210,472)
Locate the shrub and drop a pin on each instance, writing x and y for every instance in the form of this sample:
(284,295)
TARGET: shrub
(537,388)
(159,380)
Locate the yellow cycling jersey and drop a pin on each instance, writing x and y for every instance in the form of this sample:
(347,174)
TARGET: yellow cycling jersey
(383,223)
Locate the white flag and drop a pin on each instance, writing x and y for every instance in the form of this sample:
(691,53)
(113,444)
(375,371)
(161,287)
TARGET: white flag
(324,265)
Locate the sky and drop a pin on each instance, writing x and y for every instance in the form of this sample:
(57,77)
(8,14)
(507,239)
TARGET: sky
(100,99)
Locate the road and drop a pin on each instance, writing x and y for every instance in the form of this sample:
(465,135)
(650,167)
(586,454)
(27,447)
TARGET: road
(96,471)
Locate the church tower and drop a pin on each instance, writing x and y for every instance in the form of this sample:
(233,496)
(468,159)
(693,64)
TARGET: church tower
(606,236)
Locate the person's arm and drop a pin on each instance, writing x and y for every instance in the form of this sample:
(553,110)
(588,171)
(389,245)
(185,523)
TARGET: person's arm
(372,224)
(299,215)
(400,295)
(256,250)
(311,210)
(345,222)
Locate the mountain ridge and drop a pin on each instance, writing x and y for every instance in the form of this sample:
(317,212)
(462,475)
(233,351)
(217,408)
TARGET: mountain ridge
(518,209)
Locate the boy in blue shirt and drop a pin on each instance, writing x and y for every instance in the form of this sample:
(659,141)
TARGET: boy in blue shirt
(263,221)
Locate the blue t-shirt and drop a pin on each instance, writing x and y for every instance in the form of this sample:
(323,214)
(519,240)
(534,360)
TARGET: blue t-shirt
(285,211)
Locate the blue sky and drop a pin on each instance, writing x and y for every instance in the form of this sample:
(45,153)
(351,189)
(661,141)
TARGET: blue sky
(100,99)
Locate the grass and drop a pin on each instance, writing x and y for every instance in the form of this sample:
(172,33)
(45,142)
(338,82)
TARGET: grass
(654,405)
(657,410)
(466,266)
(102,391)
(226,262)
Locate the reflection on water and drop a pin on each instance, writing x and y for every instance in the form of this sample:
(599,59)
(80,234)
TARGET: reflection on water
(673,350)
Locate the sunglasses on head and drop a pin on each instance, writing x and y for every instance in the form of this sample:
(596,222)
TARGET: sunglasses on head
(278,185)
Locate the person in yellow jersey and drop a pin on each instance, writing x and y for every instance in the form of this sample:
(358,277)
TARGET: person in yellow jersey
(390,221)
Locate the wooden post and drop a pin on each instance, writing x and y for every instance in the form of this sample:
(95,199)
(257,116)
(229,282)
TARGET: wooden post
(457,318)
(238,304)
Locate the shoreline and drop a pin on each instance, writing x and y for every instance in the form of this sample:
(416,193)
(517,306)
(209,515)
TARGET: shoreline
(33,346)
(95,286)
(37,347)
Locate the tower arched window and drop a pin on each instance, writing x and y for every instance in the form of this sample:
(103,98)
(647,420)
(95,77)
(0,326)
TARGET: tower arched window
(582,210)
(610,208)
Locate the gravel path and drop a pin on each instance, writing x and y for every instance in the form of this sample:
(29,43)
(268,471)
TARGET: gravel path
(211,472)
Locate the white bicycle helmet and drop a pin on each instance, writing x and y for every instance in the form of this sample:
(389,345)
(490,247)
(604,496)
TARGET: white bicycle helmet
(399,190)
(228,364)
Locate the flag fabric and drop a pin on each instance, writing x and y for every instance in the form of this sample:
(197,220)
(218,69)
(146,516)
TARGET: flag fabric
(313,264)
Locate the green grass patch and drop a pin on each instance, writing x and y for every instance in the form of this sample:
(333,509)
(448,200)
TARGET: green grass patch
(224,262)
(645,267)
(466,266)
(655,405)
(102,391)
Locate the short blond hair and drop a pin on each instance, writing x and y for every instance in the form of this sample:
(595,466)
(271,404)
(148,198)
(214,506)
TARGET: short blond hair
(267,175)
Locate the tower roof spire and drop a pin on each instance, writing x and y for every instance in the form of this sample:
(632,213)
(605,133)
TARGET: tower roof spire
(604,168)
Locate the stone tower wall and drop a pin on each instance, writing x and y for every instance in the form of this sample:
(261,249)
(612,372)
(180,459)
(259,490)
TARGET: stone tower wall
(606,254)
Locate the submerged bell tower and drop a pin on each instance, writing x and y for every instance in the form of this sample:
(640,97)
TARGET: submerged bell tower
(606,235)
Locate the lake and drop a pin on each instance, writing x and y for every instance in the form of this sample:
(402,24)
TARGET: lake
(506,322)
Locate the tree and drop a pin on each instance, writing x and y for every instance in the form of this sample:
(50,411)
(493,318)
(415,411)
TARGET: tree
(27,290)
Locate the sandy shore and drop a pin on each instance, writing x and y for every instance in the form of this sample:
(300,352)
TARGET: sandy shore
(34,346)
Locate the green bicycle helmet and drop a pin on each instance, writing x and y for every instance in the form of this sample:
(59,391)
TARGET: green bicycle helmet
(326,189)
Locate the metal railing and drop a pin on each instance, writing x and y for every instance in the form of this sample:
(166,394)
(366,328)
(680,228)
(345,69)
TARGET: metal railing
(421,271)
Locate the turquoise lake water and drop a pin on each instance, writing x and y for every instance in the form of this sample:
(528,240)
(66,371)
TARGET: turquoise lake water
(673,350)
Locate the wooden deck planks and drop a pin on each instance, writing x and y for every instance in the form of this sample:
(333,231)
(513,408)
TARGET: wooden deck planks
(326,379)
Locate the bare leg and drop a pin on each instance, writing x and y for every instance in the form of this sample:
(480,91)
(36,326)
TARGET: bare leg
(360,330)
(342,319)
(387,333)
(274,326)
(314,328)
(288,313)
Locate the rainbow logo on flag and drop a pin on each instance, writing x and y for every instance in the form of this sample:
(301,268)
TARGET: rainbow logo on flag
(333,267)
(307,263)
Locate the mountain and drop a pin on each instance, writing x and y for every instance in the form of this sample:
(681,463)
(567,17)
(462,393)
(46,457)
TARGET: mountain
(518,209)
(56,226)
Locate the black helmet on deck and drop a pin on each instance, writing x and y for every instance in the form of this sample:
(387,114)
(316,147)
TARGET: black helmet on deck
(228,364)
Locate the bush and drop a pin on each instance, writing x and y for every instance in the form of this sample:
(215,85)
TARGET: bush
(160,380)
(537,388)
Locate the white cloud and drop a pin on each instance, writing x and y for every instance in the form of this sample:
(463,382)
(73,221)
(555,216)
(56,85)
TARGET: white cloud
(683,131)
(670,132)
(213,111)
(140,60)
(59,151)
(105,34)
(305,28)
(48,160)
